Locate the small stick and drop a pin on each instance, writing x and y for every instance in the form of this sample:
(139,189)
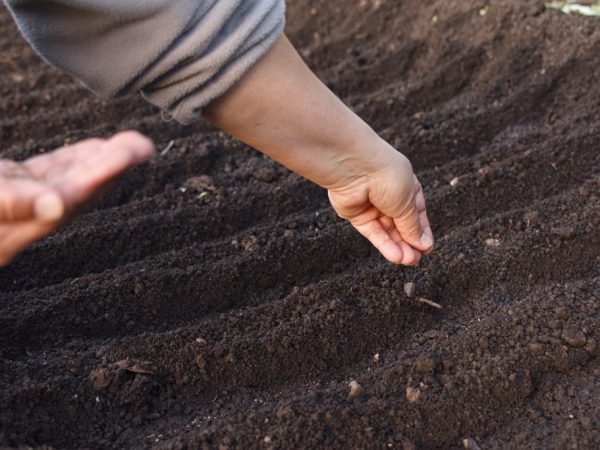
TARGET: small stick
(167,148)
(428,302)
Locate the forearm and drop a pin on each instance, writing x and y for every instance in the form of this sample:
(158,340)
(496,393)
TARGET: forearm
(281,108)
(181,54)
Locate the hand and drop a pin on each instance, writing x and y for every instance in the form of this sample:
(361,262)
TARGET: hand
(38,194)
(387,207)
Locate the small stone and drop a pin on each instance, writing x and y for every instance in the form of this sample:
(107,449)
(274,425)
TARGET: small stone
(251,244)
(574,337)
(267,440)
(454,181)
(413,394)
(200,341)
(409,289)
(355,389)
(491,242)
(471,444)
(376,358)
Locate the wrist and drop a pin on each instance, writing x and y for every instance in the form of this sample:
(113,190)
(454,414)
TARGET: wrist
(363,158)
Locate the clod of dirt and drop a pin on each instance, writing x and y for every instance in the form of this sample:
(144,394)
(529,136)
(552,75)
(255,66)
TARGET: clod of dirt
(355,389)
(100,378)
(535,348)
(133,366)
(561,313)
(413,394)
(409,289)
(574,337)
(251,244)
(425,365)
(591,346)
(471,444)
(200,183)
(563,232)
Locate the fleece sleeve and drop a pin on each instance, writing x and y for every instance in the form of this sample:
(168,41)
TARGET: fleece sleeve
(180,54)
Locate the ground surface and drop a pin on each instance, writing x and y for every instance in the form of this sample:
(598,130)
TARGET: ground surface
(164,318)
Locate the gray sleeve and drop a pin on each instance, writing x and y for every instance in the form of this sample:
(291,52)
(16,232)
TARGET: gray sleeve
(180,54)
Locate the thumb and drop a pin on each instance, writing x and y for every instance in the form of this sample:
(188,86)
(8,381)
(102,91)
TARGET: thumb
(413,225)
(409,227)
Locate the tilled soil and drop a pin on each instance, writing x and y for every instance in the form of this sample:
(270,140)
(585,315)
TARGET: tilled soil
(213,299)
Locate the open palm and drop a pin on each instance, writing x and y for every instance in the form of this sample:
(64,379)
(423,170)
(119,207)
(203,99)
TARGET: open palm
(38,194)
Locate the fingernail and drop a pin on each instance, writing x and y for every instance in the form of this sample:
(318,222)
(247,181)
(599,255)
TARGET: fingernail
(426,241)
(49,207)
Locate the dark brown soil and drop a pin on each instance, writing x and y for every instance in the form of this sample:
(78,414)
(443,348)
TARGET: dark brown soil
(164,318)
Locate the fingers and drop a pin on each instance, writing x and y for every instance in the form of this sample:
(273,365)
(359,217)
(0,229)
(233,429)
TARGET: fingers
(385,238)
(35,195)
(24,199)
(413,226)
(382,241)
(56,162)
(15,237)
(140,146)
(411,256)
(95,167)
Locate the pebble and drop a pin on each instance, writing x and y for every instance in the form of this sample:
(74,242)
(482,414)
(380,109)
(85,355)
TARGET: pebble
(454,181)
(492,242)
(413,394)
(471,444)
(355,389)
(376,358)
(574,337)
(409,289)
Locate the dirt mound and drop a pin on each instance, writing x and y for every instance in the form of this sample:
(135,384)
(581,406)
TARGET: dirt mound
(236,311)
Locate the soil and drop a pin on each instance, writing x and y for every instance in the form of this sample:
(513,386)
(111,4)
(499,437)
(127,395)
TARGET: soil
(214,300)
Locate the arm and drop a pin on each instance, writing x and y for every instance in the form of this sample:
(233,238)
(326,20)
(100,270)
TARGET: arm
(282,109)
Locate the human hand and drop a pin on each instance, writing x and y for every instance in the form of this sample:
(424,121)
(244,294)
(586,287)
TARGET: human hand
(38,194)
(387,206)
